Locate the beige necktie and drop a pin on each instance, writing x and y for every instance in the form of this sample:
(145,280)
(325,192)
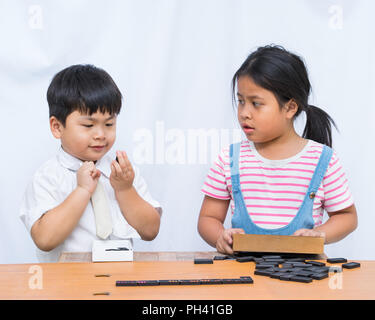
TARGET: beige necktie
(102,213)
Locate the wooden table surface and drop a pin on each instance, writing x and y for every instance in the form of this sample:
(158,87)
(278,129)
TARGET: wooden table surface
(78,280)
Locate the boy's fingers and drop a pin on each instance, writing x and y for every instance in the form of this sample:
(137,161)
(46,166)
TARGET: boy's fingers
(116,169)
(127,161)
(123,160)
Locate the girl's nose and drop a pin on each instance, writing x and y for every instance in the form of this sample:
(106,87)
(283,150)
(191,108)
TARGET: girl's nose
(245,112)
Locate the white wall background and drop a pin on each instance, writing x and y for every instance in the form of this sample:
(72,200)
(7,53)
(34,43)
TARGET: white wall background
(173,61)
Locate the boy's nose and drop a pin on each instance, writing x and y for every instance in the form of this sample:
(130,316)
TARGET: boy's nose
(99,133)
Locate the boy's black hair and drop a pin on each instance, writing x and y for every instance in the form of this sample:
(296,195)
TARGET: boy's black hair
(285,75)
(85,88)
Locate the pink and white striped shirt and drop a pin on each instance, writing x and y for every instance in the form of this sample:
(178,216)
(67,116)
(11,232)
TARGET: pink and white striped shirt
(274,190)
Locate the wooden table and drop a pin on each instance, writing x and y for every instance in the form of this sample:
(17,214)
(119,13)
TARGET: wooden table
(78,280)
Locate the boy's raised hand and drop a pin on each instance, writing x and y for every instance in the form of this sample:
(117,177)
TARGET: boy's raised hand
(88,176)
(122,173)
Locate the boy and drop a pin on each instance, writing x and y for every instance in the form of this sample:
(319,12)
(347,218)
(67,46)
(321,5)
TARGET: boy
(57,208)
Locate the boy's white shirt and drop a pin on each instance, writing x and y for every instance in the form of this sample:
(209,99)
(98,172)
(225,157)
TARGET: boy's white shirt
(54,181)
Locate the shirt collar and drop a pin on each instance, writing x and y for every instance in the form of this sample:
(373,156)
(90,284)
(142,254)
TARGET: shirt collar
(73,164)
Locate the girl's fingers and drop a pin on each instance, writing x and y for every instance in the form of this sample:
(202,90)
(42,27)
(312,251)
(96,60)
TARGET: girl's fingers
(299,232)
(227,236)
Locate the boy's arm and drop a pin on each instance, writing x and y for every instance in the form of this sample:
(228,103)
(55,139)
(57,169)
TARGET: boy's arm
(141,215)
(52,228)
(337,227)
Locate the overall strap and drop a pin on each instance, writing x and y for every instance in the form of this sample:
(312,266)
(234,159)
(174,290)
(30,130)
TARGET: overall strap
(320,169)
(234,157)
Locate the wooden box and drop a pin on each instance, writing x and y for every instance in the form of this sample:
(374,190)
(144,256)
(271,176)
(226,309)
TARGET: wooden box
(276,243)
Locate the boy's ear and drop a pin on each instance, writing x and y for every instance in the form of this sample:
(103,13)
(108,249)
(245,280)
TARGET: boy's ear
(56,127)
(291,108)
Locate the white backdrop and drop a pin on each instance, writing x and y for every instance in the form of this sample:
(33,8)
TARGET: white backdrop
(173,60)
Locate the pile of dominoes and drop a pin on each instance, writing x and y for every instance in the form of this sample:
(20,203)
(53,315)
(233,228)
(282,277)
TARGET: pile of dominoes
(296,269)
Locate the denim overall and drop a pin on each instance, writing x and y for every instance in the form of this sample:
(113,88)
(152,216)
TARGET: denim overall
(303,218)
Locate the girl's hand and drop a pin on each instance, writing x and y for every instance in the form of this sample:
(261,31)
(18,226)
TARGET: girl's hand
(309,233)
(88,176)
(225,240)
(122,173)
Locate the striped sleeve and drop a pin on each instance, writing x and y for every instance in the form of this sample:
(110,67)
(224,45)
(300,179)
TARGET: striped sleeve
(215,183)
(337,195)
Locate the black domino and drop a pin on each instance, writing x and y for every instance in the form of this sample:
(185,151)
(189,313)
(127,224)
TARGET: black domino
(169,282)
(147,283)
(316,263)
(271,257)
(220,257)
(203,261)
(303,273)
(126,283)
(232,281)
(247,279)
(336,260)
(351,265)
(245,259)
(263,273)
(286,276)
(319,276)
(277,275)
(189,282)
(301,279)
(295,260)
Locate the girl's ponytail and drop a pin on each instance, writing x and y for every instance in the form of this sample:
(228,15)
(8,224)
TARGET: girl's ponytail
(318,125)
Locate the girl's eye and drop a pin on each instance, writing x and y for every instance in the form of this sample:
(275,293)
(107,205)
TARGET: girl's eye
(256,104)
(87,125)
(109,124)
(240,102)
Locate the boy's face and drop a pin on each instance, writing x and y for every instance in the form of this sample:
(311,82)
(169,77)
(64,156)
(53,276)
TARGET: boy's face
(86,137)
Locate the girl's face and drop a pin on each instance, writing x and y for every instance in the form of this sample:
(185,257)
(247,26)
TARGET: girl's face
(259,113)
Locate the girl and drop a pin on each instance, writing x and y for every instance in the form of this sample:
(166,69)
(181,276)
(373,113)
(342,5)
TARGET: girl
(279,182)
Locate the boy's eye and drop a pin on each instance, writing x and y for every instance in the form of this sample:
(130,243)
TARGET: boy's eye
(109,124)
(241,102)
(87,125)
(256,104)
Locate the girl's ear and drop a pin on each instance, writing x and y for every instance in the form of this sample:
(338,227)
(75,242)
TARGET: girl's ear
(56,127)
(291,108)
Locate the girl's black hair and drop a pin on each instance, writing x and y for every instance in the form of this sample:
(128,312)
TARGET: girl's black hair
(285,75)
(85,88)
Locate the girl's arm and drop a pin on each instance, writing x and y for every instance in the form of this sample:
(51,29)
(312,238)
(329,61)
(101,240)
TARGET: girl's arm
(338,226)
(210,224)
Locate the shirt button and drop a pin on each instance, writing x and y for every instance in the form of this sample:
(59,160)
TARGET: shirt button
(312,195)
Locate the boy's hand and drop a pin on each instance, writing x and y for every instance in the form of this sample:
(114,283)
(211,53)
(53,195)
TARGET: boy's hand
(88,176)
(309,233)
(225,240)
(122,173)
